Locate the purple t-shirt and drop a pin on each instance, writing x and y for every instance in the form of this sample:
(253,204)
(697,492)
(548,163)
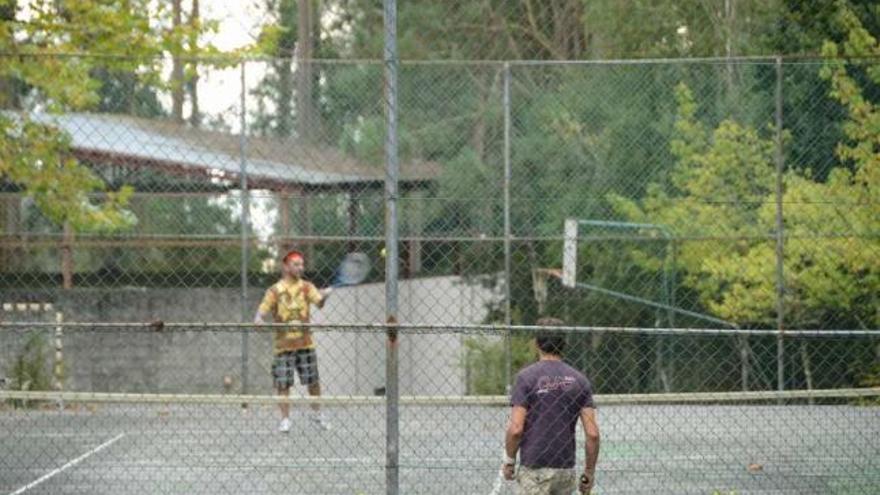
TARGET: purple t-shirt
(553,394)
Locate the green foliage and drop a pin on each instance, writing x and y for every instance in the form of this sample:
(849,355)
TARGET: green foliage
(856,187)
(806,26)
(717,187)
(37,155)
(722,184)
(486,362)
(870,378)
(803,28)
(41,69)
(278,38)
(680,28)
(559,30)
(29,371)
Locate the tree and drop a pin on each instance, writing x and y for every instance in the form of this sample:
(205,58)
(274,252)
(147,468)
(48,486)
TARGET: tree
(63,57)
(856,187)
(815,119)
(34,154)
(805,27)
(293,36)
(722,185)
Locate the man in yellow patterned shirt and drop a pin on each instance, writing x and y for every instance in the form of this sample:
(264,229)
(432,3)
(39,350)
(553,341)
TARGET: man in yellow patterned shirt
(289,301)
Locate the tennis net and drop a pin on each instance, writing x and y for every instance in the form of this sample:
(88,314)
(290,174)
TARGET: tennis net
(192,434)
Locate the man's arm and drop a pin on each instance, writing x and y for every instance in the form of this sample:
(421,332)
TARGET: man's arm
(260,317)
(266,308)
(324,293)
(515,428)
(591,435)
(317,296)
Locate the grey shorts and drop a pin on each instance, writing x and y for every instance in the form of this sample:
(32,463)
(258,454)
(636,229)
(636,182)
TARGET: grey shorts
(302,361)
(545,481)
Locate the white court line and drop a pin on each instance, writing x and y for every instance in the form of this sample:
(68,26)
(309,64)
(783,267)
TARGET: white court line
(54,435)
(68,465)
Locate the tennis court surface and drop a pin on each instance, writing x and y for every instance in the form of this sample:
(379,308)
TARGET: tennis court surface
(199,448)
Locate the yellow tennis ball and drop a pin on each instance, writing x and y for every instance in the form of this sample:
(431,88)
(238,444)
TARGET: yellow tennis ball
(383,253)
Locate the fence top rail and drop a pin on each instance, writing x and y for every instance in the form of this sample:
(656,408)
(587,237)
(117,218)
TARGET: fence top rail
(26,239)
(433,400)
(237,58)
(361,327)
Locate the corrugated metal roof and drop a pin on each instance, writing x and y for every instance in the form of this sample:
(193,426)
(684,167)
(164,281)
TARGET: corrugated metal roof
(269,160)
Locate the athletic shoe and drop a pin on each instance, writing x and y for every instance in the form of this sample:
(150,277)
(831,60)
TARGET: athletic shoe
(319,420)
(284,426)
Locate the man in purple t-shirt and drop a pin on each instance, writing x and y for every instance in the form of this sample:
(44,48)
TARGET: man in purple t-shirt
(548,398)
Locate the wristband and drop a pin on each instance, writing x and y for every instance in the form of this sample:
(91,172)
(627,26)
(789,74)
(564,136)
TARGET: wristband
(509,461)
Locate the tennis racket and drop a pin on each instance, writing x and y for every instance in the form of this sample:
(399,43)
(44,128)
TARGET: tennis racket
(498,484)
(353,269)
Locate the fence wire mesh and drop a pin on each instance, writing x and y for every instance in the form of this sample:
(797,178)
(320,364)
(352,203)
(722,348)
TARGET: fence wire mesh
(715,194)
(535,30)
(142,412)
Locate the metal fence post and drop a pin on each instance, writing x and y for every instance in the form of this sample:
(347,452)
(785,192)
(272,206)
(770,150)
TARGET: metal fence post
(392,392)
(780,242)
(245,226)
(507,234)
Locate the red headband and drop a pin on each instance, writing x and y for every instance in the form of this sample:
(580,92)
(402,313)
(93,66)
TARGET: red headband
(292,255)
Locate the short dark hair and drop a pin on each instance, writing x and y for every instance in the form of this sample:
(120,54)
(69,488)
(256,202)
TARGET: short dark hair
(550,341)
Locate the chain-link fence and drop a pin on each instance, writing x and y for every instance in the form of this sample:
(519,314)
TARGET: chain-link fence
(726,192)
(722,196)
(144,414)
(535,30)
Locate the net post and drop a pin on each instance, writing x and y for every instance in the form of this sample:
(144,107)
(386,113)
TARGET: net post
(245,226)
(58,367)
(780,241)
(392,172)
(507,231)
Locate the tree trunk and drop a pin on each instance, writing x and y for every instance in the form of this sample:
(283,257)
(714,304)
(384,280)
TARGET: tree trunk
(307,227)
(304,56)
(195,118)
(284,220)
(9,208)
(568,28)
(478,134)
(663,378)
(744,352)
(729,30)
(315,116)
(414,231)
(8,98)
(353,208)
(176,68)
(808,370)
(67,257)
(284,109)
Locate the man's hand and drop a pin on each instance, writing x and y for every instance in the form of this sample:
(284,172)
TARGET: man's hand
(325,292)
(586,484)
(509,470)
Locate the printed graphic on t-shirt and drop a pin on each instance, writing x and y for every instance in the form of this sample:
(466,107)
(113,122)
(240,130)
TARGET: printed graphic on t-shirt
(547,384)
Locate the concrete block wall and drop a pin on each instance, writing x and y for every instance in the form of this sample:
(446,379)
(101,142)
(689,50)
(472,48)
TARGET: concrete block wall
(351,361)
